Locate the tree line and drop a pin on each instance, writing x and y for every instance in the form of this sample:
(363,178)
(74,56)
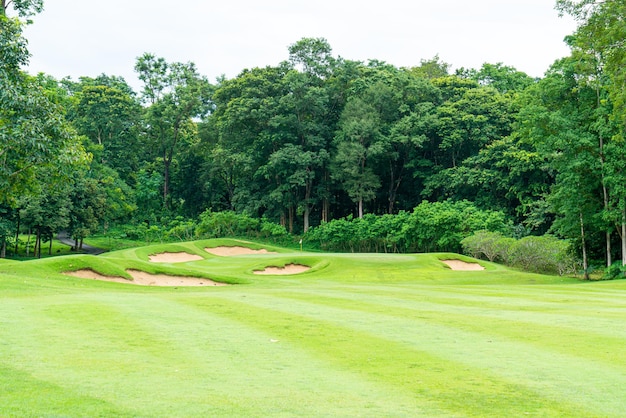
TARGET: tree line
(319,138)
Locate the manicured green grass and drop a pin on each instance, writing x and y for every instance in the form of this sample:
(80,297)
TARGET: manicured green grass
(113,243)
(25,242)
(357,335)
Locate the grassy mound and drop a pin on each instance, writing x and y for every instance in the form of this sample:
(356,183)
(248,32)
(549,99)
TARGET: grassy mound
(356,335)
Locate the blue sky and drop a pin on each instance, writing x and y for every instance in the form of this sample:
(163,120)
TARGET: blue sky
(90,37)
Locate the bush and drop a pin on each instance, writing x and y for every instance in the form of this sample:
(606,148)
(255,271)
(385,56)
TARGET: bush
(544,254)
(231,224)
(181,229)
(441,226)
(225,224)
(614,271)
(492,245)
(271,229)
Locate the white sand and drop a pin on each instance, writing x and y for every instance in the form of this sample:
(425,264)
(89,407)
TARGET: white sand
(90,274)
(146,279)
(234,251)
(462,265)
(288,269)
(181,257)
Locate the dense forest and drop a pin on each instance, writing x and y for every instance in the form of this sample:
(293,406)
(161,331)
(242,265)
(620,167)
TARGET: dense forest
(318,142)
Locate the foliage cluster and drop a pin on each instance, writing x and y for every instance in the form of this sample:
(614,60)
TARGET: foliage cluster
(541,254)
(431,226)
(208,225)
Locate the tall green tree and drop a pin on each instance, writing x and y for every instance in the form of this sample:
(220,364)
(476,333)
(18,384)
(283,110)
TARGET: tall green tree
(88,208)
(46,213)
(106,111)
(465,125)
(431,68)
(176,95)
(560,120)
(242,122)
(602,31)
(24,8)
(301,134)
(503,78)
(357,142)
(312,56)
(33,132)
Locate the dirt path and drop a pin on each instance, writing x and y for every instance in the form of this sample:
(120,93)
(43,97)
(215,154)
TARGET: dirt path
(87,249)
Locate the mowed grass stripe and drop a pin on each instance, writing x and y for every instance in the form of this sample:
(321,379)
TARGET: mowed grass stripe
(558,333)
(148,355)
(576,313)
(496,296)
(89,346)
(581,316)
(23,395)
(538,370)
(346,341)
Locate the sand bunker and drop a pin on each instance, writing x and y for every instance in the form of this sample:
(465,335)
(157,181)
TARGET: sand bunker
(232,251)
(90,274)
(181,257)
(462,265)
(288,269)
(145,279)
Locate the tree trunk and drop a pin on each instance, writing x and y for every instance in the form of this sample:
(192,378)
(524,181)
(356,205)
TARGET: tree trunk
(17,233)
(605,197)
(307,213)
(394,185)
(584,248)
(166,181)
(28,243)
(391,196)
(326,200)
(605,193)
(291,219)
(609,259)
(38,243)
(360,207)
(307,207)
(624,239)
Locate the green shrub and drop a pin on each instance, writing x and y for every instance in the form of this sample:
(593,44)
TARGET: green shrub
(271,229)
(544,254)
(614,271)
(492,245)
(181,229)
(225,224)
(439,226)
(230,224)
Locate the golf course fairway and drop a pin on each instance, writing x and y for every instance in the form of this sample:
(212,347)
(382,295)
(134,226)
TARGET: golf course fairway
(346,335)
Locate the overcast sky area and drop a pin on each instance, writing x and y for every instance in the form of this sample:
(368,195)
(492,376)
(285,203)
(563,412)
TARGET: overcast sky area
(88,37)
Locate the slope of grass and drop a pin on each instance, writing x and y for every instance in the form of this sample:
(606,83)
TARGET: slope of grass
(357,335)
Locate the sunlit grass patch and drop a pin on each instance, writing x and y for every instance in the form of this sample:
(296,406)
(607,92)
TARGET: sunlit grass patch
(356,335)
